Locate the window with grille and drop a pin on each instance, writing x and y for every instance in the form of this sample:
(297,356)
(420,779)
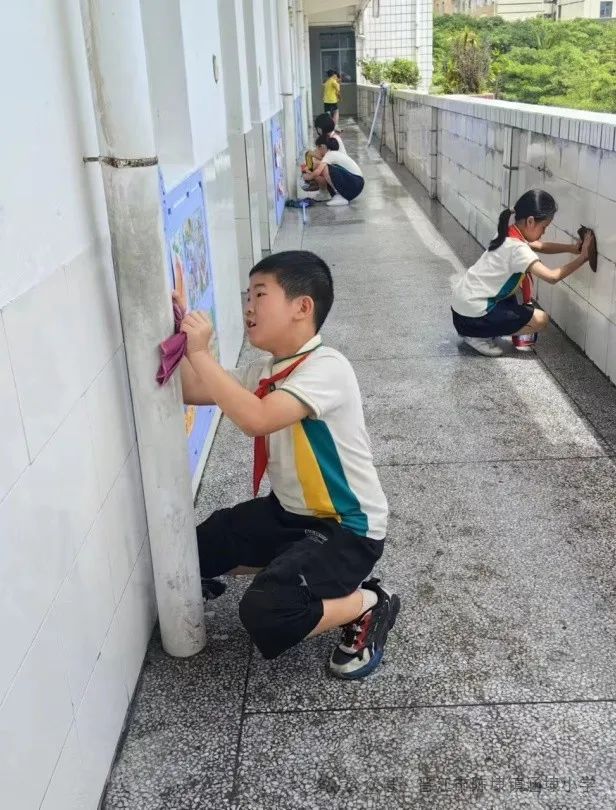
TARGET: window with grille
(605,9)
(338,53)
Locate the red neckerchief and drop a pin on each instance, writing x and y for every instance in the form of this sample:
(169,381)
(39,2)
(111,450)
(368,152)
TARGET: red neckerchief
(527,281)
(265,387)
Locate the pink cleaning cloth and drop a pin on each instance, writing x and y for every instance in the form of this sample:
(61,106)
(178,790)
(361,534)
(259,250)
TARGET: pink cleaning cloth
(172,349)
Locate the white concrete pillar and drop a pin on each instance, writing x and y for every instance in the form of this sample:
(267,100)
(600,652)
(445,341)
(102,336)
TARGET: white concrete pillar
(294,53)
(309,110)
(301,52)
(118,76)
(288,102)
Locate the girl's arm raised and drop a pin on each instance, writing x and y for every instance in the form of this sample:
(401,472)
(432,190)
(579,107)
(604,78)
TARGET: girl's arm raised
(554,247)
(558,274)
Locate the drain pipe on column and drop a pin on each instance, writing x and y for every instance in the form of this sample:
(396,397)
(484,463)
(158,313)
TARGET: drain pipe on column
(286,89)
(119,83)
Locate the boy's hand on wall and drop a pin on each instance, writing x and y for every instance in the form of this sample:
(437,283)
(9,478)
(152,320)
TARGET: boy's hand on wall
(199,330)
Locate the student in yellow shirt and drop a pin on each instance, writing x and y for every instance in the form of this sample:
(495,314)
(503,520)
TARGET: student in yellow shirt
(331,95)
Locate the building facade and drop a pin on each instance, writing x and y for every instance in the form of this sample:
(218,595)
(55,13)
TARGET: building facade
(589,9)
(527,9)
(507,9)
(391,29)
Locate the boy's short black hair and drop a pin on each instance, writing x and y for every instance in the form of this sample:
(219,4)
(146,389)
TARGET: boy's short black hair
(331,73)
(324,122)
(300,272)
(325,140)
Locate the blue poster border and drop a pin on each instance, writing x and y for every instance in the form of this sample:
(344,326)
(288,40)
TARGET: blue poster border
(183,201)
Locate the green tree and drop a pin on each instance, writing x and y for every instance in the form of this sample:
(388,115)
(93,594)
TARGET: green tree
(468,67)
(571,64)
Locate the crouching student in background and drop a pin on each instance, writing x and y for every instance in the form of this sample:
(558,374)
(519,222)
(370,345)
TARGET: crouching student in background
(337,174)
(484,304)
(324,125)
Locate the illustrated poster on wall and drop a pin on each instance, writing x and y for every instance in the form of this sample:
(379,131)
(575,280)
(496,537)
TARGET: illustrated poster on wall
(191,277)
(278,158)
(299,131)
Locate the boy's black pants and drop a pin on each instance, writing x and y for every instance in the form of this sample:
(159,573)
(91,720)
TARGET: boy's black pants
(305,560)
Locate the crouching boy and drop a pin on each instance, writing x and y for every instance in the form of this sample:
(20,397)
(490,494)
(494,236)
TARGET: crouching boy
(320,531)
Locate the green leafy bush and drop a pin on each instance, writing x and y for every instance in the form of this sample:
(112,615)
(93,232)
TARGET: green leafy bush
(372,70)
(402,72)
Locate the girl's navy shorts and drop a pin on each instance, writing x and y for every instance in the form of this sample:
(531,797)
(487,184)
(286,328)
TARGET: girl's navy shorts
(348,185)
(506,318)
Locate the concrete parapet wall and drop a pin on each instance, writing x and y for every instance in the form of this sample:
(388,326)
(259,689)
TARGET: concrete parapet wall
(477,156)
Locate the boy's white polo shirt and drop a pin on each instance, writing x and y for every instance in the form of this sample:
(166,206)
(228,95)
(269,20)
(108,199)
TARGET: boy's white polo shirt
(323,466)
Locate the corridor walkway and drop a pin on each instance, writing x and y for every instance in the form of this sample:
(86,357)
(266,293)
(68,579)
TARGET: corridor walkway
(499,682)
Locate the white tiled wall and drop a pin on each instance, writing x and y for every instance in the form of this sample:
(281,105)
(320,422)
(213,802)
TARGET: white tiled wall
(74,558)
(582,179)
(418,126)
(76,586)
(569,153)
(470,181)
(243,222)
(218,175)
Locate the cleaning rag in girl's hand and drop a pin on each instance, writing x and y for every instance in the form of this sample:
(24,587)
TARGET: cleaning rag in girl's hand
(592,255)
(173,348)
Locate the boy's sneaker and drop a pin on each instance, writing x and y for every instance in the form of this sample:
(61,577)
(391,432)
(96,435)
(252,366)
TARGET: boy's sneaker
(337,199)
(312,186)
(212,588)
(486,346)
(361,648)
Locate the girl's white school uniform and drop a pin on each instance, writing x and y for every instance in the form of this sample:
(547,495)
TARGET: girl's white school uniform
(496,275)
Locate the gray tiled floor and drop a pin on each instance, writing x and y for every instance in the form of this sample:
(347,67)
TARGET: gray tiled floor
(499,682)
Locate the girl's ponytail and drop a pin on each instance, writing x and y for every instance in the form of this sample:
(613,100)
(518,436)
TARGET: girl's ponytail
(503,227)
(534,203)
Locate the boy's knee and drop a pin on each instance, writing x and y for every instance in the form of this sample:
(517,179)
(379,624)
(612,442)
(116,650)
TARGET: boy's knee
(257,611)
(276,617)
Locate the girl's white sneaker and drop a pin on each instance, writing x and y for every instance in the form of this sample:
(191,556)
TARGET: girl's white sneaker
(486,346)
(337,199)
